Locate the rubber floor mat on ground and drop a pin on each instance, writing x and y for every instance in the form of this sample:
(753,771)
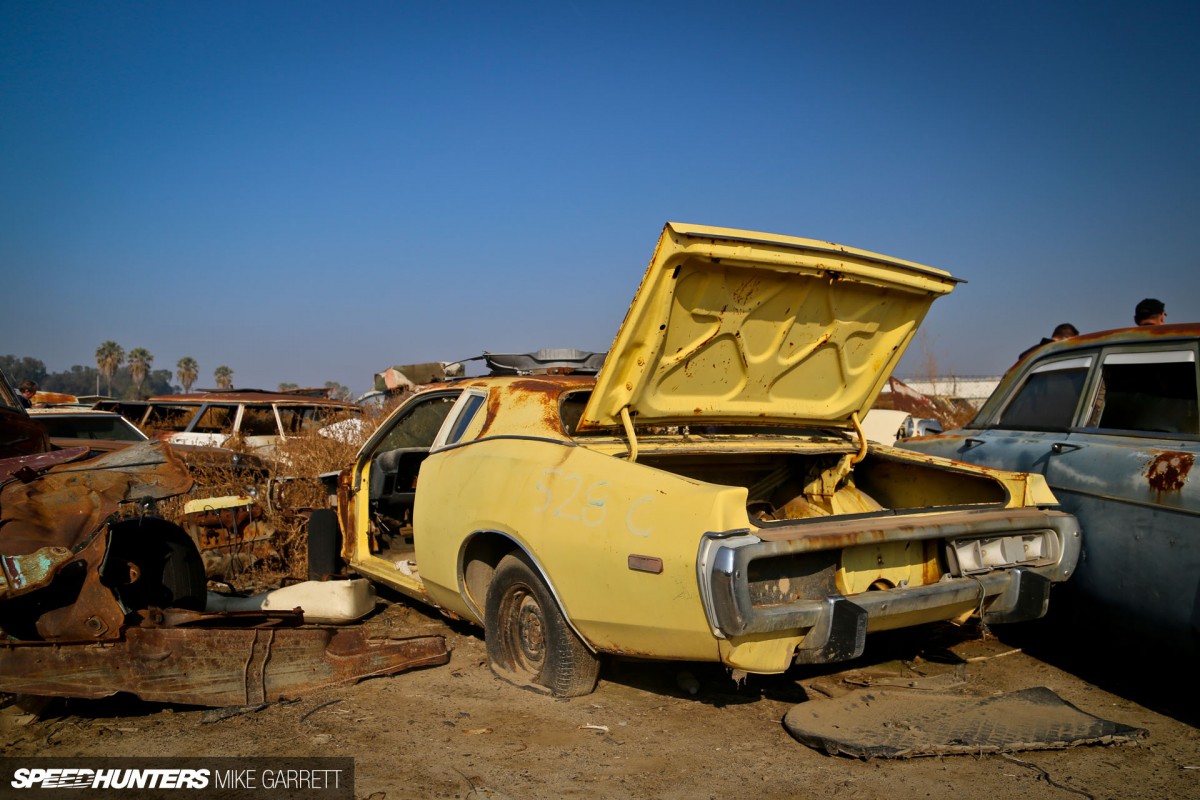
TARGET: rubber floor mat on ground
(895,723)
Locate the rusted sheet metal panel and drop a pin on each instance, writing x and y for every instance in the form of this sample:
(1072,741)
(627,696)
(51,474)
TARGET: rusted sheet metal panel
(250,396)
(835,534)
(94,614)
(529,403)
(20,573)
(44,398)
(67,506)
(230,533)
(213,667)
(25,468)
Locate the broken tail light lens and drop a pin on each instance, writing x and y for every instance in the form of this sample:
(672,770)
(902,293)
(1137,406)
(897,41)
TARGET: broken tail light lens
(969,556)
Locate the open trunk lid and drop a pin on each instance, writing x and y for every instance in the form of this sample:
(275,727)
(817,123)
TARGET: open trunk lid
(737,327)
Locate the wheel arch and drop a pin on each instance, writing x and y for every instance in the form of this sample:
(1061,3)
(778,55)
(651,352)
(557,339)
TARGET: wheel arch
(481,553)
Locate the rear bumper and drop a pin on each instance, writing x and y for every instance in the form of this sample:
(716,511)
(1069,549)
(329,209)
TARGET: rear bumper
(834,626)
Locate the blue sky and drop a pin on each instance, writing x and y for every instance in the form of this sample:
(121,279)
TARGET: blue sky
(312,191)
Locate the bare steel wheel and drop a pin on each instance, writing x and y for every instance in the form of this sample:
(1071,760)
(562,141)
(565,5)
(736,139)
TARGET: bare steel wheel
(529,642)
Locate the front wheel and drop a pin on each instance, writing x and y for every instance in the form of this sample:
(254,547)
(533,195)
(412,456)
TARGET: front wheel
(529,642)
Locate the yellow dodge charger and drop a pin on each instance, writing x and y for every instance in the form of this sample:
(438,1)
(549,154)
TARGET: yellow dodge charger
(709,494)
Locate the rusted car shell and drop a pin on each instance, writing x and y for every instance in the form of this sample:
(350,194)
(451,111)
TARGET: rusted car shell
(260,421)
(86,607)
(66,507)
(1133,488)
(249,396)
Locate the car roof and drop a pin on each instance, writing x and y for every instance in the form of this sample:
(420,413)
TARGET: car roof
(1143,334)
(250,396)
(67,411)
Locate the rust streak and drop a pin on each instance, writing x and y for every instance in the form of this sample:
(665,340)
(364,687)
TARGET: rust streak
(1168,471)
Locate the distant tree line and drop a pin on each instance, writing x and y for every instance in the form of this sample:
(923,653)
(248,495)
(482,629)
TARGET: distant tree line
(126,376)
(136,381)
(83,380)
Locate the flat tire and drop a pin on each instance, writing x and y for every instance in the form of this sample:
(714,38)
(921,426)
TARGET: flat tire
(529,642)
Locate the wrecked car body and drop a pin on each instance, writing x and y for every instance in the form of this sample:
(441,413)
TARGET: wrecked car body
(709,494)
(217,524)
(158,417)
(260,421)
(98,596)
(105,431)
(1112,420)
(231,533)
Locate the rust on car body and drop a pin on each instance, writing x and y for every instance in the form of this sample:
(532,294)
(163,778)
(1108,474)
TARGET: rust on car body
(95,600)
(537,399)
(25,468)
(1136,333)
(1168,470)
(249,396)
(231,533)
(226,666)
(67,505)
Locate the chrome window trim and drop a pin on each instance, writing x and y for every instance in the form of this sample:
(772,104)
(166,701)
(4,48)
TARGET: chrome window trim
(452,420)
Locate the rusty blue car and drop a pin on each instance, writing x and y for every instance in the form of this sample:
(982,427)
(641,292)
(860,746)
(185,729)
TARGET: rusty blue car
(1112,421)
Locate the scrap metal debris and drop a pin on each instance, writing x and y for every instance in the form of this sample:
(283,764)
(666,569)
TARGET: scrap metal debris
(97,596)
(212,666)
(904,724)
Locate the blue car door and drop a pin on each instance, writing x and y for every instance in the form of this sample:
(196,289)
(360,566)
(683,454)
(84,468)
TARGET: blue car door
(1124,471)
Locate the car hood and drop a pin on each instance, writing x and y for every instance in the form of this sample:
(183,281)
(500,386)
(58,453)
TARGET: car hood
(736,327)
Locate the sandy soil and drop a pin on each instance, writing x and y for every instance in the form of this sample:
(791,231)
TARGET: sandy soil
(457,731)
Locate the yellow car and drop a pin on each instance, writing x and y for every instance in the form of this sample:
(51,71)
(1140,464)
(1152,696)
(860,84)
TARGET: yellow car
(708,495)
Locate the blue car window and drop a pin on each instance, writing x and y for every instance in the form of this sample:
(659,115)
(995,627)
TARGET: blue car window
(473,404)
(1152,396)
(1046,401)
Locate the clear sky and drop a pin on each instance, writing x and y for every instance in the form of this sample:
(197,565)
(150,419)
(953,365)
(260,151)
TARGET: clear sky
(312,191)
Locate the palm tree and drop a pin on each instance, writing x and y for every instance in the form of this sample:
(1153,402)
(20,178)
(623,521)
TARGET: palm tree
(109,356)
(224,376)
(187,372)
(140,360)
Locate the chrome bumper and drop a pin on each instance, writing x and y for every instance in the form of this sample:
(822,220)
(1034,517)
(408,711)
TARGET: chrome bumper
(834,626)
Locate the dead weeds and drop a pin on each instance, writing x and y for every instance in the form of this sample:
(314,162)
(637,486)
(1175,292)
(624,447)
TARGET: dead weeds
(254,533)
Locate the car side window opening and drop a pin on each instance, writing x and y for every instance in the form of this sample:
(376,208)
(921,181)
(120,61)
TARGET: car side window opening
(470,409)
(215,419)
(173,419)
(1151,392)
(570,410)
(394,468)
(114,429)
(259,422)
(1048,398)
(420,425)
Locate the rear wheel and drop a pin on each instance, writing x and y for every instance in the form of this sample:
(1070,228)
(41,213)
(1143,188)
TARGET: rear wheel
(529,642)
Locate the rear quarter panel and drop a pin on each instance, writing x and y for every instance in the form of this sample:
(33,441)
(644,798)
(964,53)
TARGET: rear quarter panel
(580,515)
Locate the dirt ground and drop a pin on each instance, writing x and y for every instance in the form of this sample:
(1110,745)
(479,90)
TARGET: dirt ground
(457,731)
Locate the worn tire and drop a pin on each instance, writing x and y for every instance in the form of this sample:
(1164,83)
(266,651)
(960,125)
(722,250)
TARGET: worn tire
(170,571)
(529,642)
(324,545)
(183,584)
